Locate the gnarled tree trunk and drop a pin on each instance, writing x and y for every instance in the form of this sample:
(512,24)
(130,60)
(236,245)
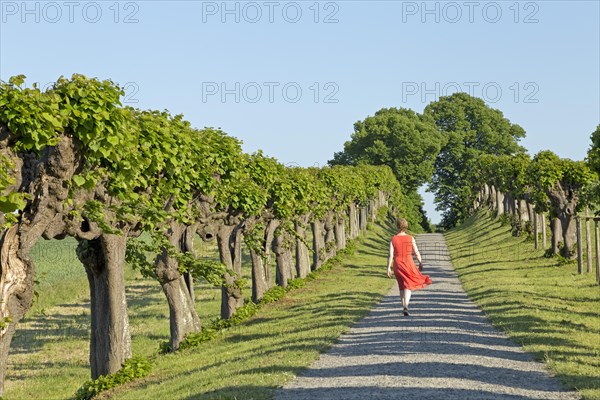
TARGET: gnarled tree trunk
(492,200)
(523,213)
(110,344)
(187,245)
(302,252)
(329,226)
(283,258)
(340,232)
(383,198)
(183,317)
(261,276)
(530,211)
(564,203)
(353,220)
(372,210)
(318,244)
(485,193)
(556,228)
(262,279)
(567,223)
(363,219)
(499,202)
(229,240)
(43,177)
(17,286)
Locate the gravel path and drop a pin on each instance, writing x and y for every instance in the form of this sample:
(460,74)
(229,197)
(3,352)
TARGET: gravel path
(445,350)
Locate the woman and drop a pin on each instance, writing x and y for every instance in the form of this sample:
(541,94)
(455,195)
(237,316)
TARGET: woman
(408,276)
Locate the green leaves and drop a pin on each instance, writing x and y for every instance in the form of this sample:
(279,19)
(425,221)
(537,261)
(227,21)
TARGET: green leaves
(471,129)
(133,368)
(12,202)
(150,168)
(548,173)
(31,116)
(79,180)
(405,141)
(593,155)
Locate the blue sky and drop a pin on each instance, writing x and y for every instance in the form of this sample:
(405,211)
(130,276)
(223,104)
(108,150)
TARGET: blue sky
(291,78)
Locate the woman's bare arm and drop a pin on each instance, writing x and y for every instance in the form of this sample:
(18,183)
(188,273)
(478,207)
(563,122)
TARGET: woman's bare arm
(416,250)
(390,259)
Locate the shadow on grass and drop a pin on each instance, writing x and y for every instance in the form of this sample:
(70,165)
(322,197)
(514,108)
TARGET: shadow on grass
(544,308)
(41,329)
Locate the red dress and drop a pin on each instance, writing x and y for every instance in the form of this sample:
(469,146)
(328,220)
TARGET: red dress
(407,274)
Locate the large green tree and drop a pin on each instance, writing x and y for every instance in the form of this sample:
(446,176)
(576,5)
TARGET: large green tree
(471,128)
(405,141)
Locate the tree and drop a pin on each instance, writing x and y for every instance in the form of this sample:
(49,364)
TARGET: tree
(562,181)
(399,138)
(62,142)
(471,128)
(74,162)
(405,141)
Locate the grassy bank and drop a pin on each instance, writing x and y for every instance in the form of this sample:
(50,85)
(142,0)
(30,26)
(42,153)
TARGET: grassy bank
(50,357)
(548,308)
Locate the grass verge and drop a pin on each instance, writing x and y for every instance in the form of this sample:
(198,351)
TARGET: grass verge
(247,361)
(549,309)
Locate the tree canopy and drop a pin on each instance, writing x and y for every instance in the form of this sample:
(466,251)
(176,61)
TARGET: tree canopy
(405,141)
(471,128)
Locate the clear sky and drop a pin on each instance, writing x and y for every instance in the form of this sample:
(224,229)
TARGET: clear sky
(291,78)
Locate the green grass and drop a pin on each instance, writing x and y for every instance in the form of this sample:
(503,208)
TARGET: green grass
(549,309)
(60,275)
(49,358)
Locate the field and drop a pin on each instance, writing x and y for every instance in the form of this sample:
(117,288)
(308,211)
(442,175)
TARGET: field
(548,308)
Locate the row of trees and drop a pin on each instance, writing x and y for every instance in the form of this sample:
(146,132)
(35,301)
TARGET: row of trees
(74,162)
(469,153)
(520,186)
(439,147)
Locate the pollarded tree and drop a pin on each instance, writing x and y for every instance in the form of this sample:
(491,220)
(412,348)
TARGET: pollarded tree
(63,144)
(24,134)
(343,183)
(188,165)
(471,128)
(307,191)
(143,170)
(60,134)
(322,202)
(516,183)
(562,180)
(245,202)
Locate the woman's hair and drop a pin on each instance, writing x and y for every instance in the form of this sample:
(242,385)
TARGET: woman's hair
(402,224)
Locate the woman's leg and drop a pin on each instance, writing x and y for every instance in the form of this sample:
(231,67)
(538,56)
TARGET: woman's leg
(405,297)
(402,298)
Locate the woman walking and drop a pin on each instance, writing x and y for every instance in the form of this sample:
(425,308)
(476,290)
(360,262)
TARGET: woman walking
(408,276)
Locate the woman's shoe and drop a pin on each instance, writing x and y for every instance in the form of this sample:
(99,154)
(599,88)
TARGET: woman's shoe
(406,314)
